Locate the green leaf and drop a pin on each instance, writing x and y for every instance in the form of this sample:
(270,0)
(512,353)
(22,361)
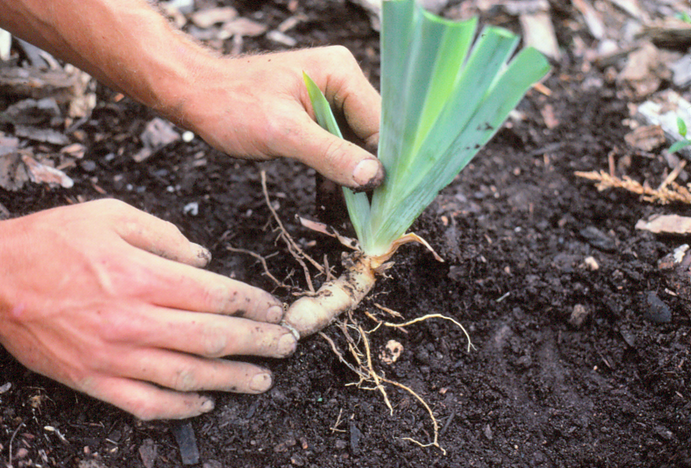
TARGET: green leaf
(449,101)
(681,125)
(679,145)
(443,98)
(358,204)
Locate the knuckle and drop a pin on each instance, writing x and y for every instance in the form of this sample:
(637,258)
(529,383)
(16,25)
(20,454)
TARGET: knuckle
(336,153)
(341,53)
(112,205)
(215,341)
(145,410)
(185,379)
(214,296)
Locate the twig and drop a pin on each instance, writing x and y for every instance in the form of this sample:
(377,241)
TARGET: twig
(663,195)
(293,248)
(672,175)
(14,434)
(263,262)
(337,423)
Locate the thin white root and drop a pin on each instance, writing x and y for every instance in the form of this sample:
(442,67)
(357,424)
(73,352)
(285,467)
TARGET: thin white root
(311,314)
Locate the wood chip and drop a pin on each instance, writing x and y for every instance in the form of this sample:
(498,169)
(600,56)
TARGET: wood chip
(41,174)
(663,110)
(242,27)
(41,135)
(592,18)
(538,32)
(671,33)
(209,17)
(666,224)
(13,173)
(5,45)
(646,138)
(157,134)
(644,72)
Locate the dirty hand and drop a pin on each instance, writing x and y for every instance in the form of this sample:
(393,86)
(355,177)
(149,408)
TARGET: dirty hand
(258,107)
(110,301)
(249,106)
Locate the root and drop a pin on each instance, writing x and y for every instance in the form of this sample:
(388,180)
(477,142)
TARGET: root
(262,260)
(431,316)
(293,248)
(370,379)
(311,314)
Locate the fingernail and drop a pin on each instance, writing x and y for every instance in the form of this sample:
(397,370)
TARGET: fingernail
(260,382)
(202,253)
(207,405)
(368,172)
(287,344)
(274,314)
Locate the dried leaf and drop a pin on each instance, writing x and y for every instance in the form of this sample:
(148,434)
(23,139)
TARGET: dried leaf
(42,174)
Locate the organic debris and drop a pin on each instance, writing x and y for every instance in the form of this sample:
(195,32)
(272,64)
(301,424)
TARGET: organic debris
(158,134)
(357,338)
(666,224)
(666,193)
(664,110)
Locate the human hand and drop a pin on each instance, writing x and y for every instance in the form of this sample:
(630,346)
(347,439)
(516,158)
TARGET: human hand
(257,107)
(110,301)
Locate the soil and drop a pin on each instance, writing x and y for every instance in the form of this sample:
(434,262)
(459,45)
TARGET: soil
(572,365)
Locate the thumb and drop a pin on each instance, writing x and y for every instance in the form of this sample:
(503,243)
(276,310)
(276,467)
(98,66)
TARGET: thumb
(340,160)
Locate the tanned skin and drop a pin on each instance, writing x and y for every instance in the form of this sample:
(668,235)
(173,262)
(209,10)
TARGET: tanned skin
(114,302)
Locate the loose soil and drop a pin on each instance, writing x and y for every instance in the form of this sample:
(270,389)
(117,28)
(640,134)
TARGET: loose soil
(571,366)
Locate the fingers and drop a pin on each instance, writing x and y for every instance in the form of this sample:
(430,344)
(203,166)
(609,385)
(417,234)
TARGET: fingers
(184,373)
(350,92)
(175,284)
(153,234)
(336,159)
(178,286)
(209,335)
(146,401)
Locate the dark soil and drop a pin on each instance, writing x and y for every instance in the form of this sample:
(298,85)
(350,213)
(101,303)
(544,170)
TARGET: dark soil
(540,388)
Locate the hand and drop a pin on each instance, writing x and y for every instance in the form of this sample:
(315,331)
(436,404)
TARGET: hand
(111,301)
(251,107)
(257,107)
